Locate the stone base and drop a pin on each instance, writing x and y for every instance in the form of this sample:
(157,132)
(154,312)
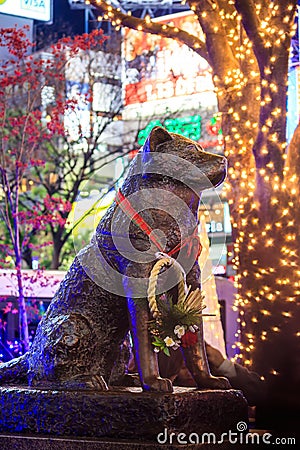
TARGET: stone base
(126,414)
(47,443)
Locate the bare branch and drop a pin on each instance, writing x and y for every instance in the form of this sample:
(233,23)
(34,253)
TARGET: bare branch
(118,18)
(220,52)
(252,27)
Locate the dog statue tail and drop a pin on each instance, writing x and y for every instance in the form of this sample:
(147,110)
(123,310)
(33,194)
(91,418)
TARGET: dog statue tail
(14,371)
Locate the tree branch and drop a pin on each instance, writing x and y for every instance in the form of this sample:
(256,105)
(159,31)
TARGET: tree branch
(220,52)
(246,8)
(9,207)
(118,18)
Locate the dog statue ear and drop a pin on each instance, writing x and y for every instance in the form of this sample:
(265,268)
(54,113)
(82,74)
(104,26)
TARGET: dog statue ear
(157,137)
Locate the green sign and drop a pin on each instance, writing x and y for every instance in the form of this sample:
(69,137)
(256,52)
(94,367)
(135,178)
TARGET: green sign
(189,127)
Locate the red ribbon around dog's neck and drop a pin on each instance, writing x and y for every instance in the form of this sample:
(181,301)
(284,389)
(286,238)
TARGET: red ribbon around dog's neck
(125,205)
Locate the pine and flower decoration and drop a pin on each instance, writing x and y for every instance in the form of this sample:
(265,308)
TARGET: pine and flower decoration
(174,325)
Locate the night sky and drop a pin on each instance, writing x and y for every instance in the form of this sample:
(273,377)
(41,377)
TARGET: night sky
(63,13)
(66,22)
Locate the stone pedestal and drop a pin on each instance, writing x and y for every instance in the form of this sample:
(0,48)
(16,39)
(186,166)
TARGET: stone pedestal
(128,415)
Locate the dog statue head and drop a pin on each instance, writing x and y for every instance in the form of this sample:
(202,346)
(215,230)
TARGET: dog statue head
(172,153)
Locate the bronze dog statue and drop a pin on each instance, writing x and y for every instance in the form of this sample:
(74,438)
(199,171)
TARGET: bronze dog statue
(103,294)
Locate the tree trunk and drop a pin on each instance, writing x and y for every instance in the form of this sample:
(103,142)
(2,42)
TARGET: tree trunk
(57,247)
(55,257)
(23,323)
(265,214)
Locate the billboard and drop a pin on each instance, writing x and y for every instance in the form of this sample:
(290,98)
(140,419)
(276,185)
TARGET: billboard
(31,9)
(293,102)
(162,68)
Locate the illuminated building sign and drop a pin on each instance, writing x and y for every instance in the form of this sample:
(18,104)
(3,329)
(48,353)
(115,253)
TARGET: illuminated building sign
(162,68)
(189,127)
(216,216)
(148,90)
(293,102)
(31,9)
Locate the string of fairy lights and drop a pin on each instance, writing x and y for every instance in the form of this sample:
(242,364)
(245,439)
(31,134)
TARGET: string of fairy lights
(260,283)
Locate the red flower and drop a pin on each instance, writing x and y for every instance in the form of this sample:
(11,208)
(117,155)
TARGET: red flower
(189,339)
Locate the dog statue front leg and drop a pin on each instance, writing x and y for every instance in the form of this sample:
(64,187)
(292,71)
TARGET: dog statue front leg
(195,355)
(145,357)
(196,361)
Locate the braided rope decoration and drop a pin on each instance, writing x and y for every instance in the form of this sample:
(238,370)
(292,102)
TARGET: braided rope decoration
(179,323)
(190,300)
(164,261)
